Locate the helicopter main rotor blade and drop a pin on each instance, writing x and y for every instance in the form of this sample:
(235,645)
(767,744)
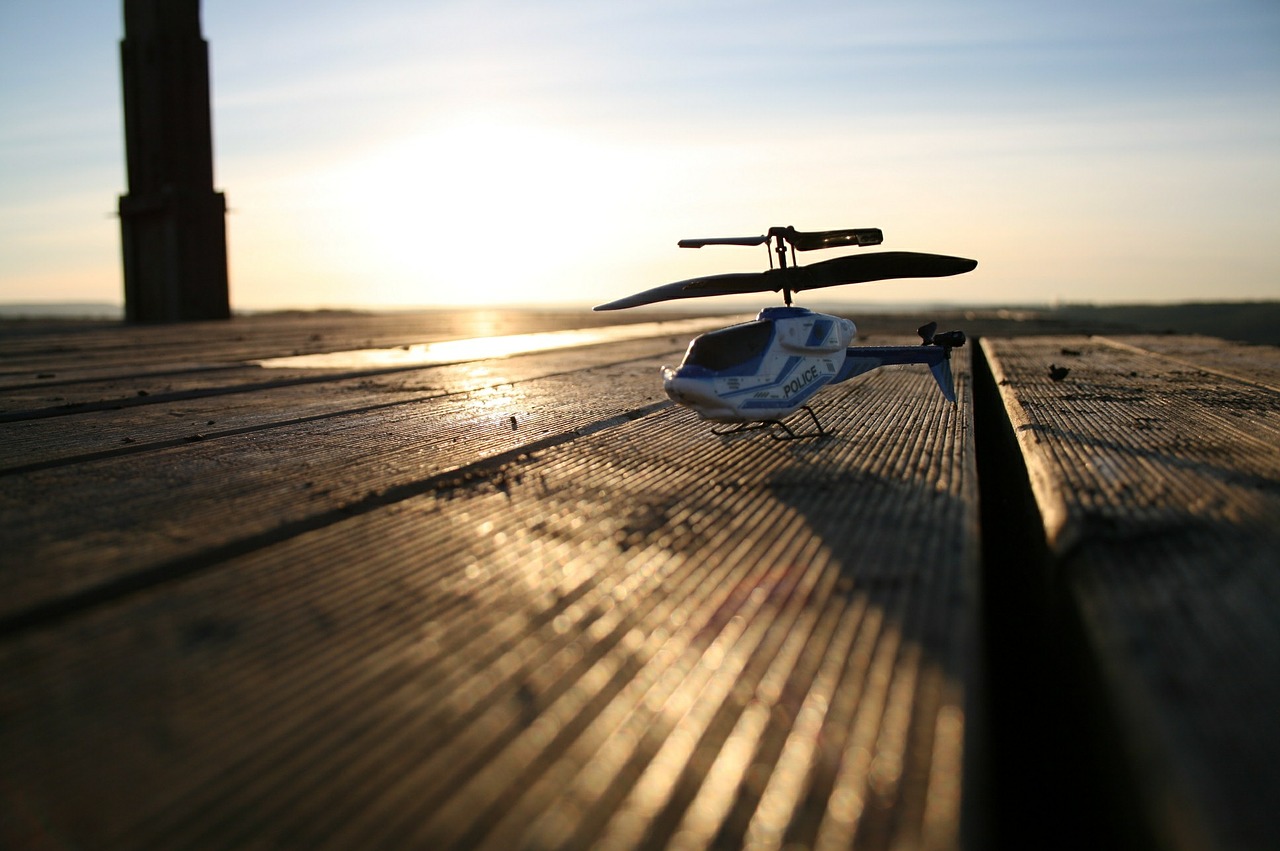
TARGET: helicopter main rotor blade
(854,269)
(733,283)
(879,266)
(723,240)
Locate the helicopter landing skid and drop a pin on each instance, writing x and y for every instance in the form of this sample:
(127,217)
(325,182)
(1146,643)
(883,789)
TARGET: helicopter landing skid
(789,432)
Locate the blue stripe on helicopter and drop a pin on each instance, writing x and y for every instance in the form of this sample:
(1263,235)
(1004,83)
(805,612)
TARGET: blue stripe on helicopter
(818,334)
(787,368)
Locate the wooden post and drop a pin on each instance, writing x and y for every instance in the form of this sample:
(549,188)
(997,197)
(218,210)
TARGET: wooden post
(173,223)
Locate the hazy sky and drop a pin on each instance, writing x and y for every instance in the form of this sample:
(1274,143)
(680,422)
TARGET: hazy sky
(424,152)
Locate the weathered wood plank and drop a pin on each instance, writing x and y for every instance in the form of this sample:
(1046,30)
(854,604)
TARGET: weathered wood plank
(1159,486)
(117,386)
(69,529)
(24,351)
(209,409)
(644,635)
(88,502)
(1244,362)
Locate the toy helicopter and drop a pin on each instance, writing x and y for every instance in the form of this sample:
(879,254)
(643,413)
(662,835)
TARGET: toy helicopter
(756,374)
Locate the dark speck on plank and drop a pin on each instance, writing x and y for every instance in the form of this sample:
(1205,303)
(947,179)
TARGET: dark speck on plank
(206,633)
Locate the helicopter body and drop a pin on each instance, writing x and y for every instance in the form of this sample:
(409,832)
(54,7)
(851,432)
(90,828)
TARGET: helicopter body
(761,372)
(767,369)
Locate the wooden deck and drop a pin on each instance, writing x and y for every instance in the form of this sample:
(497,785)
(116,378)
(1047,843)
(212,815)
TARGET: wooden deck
(431,597)
(1155,467)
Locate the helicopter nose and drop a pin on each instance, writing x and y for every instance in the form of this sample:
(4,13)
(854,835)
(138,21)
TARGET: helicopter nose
(695,393)
(850,331)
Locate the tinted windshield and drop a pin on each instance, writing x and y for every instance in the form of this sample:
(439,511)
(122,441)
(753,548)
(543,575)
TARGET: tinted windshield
(720,350)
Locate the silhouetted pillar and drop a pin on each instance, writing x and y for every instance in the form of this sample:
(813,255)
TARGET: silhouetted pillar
(173,223)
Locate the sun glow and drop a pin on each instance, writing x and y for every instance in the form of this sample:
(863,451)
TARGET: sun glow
(485,210)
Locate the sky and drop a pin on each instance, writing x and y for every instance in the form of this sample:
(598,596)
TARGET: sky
(552,152)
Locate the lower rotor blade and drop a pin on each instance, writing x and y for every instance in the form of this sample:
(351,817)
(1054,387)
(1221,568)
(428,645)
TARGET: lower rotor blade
(854,269)
(861,268)
(730,284)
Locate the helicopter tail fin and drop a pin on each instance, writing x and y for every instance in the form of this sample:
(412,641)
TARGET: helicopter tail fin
(942,374)
(935,355)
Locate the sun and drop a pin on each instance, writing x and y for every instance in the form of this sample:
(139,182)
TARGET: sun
(485,210)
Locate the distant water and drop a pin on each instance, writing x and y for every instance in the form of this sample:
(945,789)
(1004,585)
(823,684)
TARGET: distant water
(62,310)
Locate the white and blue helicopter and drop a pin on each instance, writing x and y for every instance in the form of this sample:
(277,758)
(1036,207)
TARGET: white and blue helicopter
(756,374)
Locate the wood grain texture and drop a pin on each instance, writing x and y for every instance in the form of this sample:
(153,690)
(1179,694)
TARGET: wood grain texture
(417,624)
(1159,485)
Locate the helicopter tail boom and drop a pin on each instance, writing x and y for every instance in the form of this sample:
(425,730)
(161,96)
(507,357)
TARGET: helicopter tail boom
(862,359)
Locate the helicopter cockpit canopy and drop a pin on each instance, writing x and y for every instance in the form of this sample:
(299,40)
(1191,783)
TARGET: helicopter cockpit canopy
(730,347)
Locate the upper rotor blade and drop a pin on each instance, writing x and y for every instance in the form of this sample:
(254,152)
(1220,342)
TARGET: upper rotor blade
(811,241)
(723,240)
